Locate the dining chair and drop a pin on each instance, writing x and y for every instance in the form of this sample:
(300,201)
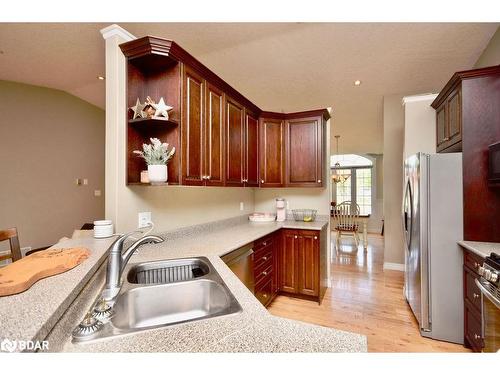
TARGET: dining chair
(346,217)
(15,250)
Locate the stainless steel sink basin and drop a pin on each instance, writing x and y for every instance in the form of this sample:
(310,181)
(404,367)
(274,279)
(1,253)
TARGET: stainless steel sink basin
(150,305)
(171,303)
(168,271)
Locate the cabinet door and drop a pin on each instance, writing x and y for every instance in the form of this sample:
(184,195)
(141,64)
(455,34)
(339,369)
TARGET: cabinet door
(289,264)
(308,254)
(251,151)
(214,137)
(234,143)
(271,153)
(304,152)
(192,128)
(441,127)
(454,104)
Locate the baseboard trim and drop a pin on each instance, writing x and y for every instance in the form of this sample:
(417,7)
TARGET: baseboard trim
(394,266)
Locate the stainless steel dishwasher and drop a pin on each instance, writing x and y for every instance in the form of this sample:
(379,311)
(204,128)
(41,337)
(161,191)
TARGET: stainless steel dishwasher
(240,261)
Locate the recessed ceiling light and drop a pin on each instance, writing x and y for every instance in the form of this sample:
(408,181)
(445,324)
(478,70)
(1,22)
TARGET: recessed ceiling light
(101,78)
(357,82)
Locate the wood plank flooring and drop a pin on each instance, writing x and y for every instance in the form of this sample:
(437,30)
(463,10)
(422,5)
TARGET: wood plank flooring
(364,299)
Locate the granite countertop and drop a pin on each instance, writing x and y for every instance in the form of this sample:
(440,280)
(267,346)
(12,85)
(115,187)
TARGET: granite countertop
(483,249)
(252,330)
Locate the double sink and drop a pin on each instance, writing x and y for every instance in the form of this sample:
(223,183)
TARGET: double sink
(157,294)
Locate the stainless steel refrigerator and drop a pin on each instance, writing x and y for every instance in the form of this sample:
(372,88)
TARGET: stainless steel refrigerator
(432,224)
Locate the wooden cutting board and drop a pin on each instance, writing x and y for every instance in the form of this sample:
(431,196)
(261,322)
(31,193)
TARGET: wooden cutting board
(21,275)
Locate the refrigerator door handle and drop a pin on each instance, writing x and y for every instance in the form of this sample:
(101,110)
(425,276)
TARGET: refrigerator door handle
(408,215)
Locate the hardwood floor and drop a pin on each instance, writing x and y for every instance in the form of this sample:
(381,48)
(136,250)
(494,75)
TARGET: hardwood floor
(364,299)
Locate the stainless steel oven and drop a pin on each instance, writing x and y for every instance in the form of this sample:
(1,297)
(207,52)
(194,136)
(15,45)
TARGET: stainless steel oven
(489,285)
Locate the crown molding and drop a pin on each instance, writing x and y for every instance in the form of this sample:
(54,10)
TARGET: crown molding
(115,30)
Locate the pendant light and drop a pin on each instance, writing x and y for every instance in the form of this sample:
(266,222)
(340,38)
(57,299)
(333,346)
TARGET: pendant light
(336,176)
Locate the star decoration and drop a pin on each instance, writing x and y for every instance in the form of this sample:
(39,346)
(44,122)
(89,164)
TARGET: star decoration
(137,110)
(161,109)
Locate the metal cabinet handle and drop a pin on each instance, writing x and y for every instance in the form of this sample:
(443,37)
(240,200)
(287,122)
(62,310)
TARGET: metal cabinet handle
(319,181)
(295,236)
(264,258)
(261,181)
(475,295)
(264,295)
(264,273)
(315,237)
(209,177)
(446,139)
(264,243)
(476,336)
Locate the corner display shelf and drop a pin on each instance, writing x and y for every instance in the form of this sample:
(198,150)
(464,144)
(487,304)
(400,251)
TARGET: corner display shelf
(158,121)
(153,70)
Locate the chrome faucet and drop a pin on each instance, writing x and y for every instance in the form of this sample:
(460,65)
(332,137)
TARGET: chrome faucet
(117,262)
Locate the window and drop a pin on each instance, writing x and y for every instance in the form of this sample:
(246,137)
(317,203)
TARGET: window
(358,187)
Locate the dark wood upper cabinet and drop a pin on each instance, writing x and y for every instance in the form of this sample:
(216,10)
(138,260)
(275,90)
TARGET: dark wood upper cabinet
(470,103)
(193,150)
(214,137)
(271,152)
(235,114)
(221,138)
(441,127)
(251,172)
(304,152)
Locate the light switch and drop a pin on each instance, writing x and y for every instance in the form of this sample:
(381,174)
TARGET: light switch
(97,193)
(85,181)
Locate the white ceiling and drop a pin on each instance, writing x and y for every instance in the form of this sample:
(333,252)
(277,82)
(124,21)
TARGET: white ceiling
(278,66)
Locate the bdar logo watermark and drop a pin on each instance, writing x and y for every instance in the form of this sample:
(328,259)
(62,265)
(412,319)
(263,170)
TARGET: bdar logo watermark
(10,346)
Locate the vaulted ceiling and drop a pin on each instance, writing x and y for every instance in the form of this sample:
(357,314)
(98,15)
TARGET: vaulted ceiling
(278,66)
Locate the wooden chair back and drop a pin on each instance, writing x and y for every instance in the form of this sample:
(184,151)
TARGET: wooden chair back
(15,250)
(346,215)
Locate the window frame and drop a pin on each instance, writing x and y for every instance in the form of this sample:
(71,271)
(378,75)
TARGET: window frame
(354,183)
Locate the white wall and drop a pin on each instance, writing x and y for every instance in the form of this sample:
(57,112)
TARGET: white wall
(171,207)
(491,54)
(419,125)
(48,138)
(393,178)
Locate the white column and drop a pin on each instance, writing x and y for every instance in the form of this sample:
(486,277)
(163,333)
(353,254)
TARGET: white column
(116,101)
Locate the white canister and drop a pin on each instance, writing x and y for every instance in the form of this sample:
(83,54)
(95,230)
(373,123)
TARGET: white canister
(157,173)
(103,228)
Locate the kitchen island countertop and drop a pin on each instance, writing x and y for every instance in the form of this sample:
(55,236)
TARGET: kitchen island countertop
(252,330)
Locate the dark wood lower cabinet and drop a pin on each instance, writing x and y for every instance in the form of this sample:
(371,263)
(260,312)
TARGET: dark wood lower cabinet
(472,303)
(287,261)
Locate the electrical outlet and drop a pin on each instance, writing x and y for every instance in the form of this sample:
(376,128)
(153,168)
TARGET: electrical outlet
(97,193)
(144,219)
(85,181)
(242,206)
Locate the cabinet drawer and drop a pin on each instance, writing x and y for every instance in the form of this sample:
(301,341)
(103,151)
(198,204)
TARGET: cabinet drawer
(473,328)
(264,271)
(472,292)
(263,256)
(263,242)
(472,260)
(264,290)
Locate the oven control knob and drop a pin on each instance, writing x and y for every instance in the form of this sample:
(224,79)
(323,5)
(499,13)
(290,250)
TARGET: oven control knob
(486,274)
(494,277)
(481,270)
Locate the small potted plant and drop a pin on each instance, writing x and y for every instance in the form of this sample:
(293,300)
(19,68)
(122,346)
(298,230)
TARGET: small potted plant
(157,155)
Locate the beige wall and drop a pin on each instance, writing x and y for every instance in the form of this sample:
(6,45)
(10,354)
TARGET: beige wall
(171,207)
(491,54)
(393,178)
(419,125)
(48,138)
